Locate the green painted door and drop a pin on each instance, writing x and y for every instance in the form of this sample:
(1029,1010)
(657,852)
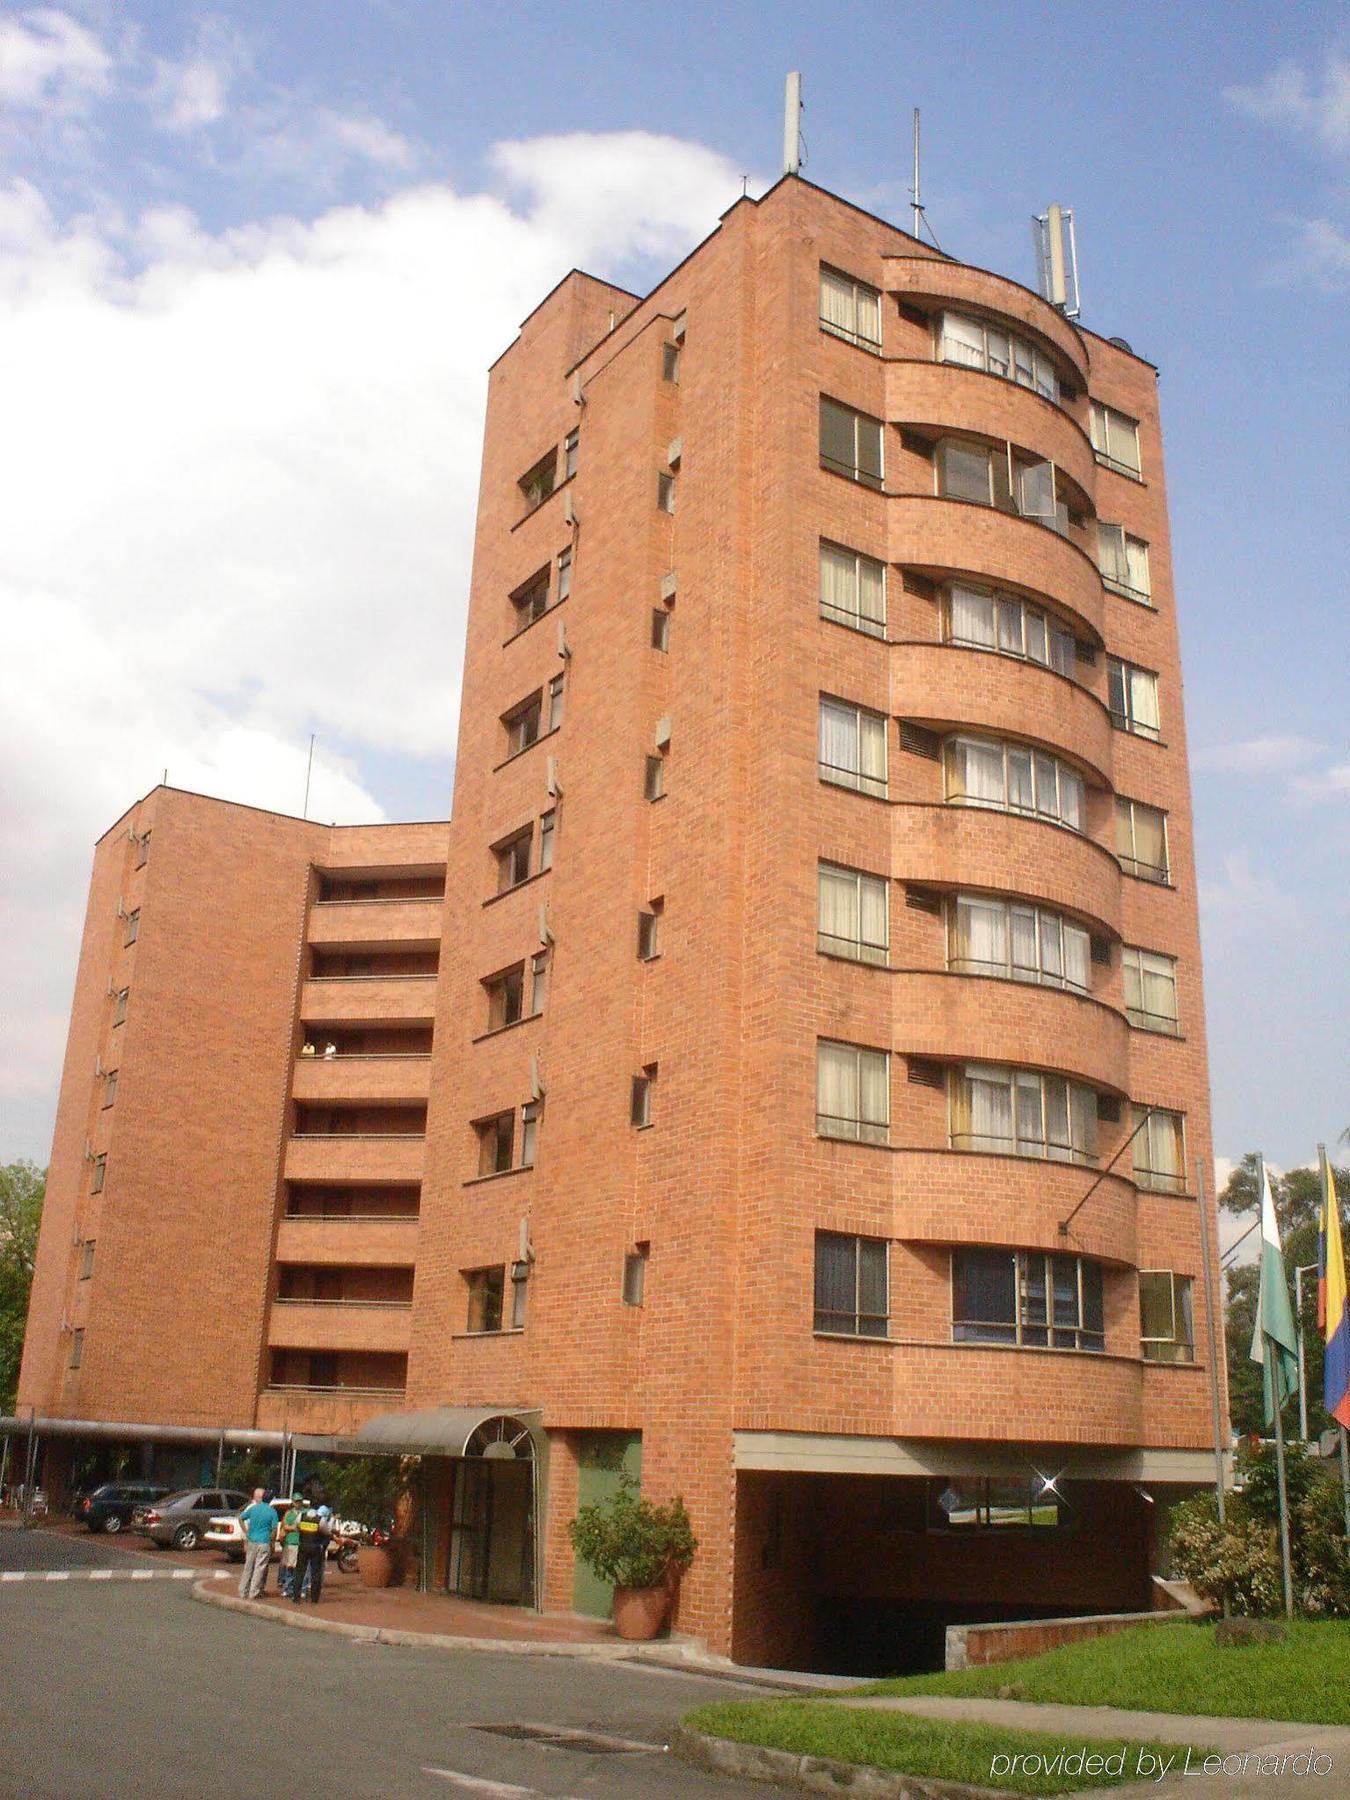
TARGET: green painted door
(605,1456)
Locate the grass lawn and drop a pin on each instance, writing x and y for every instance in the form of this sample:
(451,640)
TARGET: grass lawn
(943,1749)
(1173,1668)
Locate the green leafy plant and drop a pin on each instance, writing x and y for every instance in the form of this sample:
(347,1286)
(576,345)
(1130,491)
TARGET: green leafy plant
(631,1541)
(368,1489)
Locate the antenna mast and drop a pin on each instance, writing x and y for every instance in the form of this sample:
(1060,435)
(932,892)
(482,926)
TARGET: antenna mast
(918,203)
(792,124)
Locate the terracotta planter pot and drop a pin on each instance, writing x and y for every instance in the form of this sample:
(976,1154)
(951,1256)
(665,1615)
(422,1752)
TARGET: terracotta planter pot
(640,1612)
(376,1565)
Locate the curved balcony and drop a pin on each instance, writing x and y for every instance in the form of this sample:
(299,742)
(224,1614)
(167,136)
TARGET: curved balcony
(346,1157)
(335,1240)
(981,1018)
(339,1325)
(1017,1202)
(955,537)
(1019,1396)
(361,1078)
(952,399)
(1006,853)
(952,685)
(368,1000)
(411,923)
(956,284)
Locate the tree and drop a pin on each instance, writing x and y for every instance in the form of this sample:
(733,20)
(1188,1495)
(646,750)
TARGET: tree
(1298,1203)
(22,1186)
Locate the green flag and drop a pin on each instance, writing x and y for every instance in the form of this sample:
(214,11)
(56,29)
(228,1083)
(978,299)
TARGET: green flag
(1274,1315)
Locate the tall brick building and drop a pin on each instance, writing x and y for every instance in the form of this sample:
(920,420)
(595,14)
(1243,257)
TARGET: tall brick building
(785,1075)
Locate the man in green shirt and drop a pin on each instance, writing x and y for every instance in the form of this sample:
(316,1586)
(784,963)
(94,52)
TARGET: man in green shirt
(290,1544)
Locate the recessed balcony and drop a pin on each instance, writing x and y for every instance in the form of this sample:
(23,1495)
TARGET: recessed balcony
(412,922)
(359,1077)
(370,999)
(319,1239)
(354,1158)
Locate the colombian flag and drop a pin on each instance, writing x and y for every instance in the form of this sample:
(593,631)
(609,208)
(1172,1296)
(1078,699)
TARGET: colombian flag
(1333,1310)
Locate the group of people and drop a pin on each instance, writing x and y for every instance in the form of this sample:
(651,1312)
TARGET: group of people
(305,1529)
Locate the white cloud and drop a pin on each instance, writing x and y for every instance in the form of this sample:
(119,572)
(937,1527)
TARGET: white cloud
(1240,888)
(191,91)
(1319,255)
(1271,755)
(49,60)
(1290,101)
(239,473)
(1332,783)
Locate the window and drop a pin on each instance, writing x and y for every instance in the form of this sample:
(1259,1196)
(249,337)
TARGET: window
(853,1093)
(1133,698)
(76,1348)
(1123,561)
(555,701)
(530,601)
(665,492)
(635,1274)
(506,997)
(994,1503)
(99,1176)
(1115,439)
(1141,840)
(537,483)
(571,443)
(980,344)
(496,1143)
(486,1291)
(109,1087)
(520,1284)
(1150,989)
(670,362)
(120,1006)
(538,982)
(999,476)
(87,1259)
(1027,1297)
(1017,942)
(564,574)
(992,621)
(513,861)
(853,590)
(547,829)
(133,927)
(529,1132)
(850,443)
(142,850)
(852,1286)
(854,915)
(1020,1112)
(1013,778)
(853,748)
(1166,1316)
(1159,1150)
(640,1099)
(654,778)
(522,725)
(649,933)
(850,309)
(660,628)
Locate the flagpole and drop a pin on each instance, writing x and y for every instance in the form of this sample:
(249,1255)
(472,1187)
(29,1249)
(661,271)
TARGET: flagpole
(1345,1479)
(1277,1407)
(1215,1410)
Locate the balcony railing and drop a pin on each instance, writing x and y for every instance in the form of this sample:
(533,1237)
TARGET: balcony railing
(315,1300)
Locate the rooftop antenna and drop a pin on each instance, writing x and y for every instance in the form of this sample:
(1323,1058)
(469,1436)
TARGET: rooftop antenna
(918,203)
(309,770)
(792,124)
(1057,276)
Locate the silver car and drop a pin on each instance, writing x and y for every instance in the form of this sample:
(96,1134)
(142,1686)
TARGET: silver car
(181,1519)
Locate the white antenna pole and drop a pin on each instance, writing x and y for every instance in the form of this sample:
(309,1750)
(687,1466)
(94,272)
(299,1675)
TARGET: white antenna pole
(1055,231)
(309,770)
(918,203)
(792,124)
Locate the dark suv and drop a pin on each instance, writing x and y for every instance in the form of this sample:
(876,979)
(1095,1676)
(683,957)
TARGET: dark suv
(109,1508)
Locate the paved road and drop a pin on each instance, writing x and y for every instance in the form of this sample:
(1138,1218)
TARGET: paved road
(121,1691)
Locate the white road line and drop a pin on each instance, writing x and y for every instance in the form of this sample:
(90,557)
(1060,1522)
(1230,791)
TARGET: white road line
(57,1575)
(498,1790)
(98,1574)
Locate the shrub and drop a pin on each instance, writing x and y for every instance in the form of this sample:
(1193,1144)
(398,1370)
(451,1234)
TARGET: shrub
(631,1541)
(365,1488)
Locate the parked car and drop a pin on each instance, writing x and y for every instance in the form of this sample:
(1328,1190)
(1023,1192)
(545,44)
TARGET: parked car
(109,1508)
(181,1519)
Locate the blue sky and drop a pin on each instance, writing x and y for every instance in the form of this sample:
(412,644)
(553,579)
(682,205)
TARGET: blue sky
(254,260)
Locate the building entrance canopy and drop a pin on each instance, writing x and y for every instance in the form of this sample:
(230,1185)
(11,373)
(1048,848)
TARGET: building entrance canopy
(504,1433)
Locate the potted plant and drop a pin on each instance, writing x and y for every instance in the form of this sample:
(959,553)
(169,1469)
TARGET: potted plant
(370,1489)
(642,1548)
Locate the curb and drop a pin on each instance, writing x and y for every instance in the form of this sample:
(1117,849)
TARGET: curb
(818,1774)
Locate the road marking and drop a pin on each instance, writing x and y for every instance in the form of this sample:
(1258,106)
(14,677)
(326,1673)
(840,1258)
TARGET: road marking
(498,1790)
(97,1574)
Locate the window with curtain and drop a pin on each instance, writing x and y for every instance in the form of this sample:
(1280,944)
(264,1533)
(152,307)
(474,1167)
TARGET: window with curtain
(850,443)
(1123,561)
(988,620)
(998,475)
(853,1093)
(1133,698)
(1018,942)
(1150,989)
(1115,439)
(853,919)
(487,1289)
(1027,1297)
(1160,1150)
(1012,778)
(980,344)
(850,309)
(853,748)
(1141,840)
(1021,1112)
(1166,1316)
(852,590)
(852,1286)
